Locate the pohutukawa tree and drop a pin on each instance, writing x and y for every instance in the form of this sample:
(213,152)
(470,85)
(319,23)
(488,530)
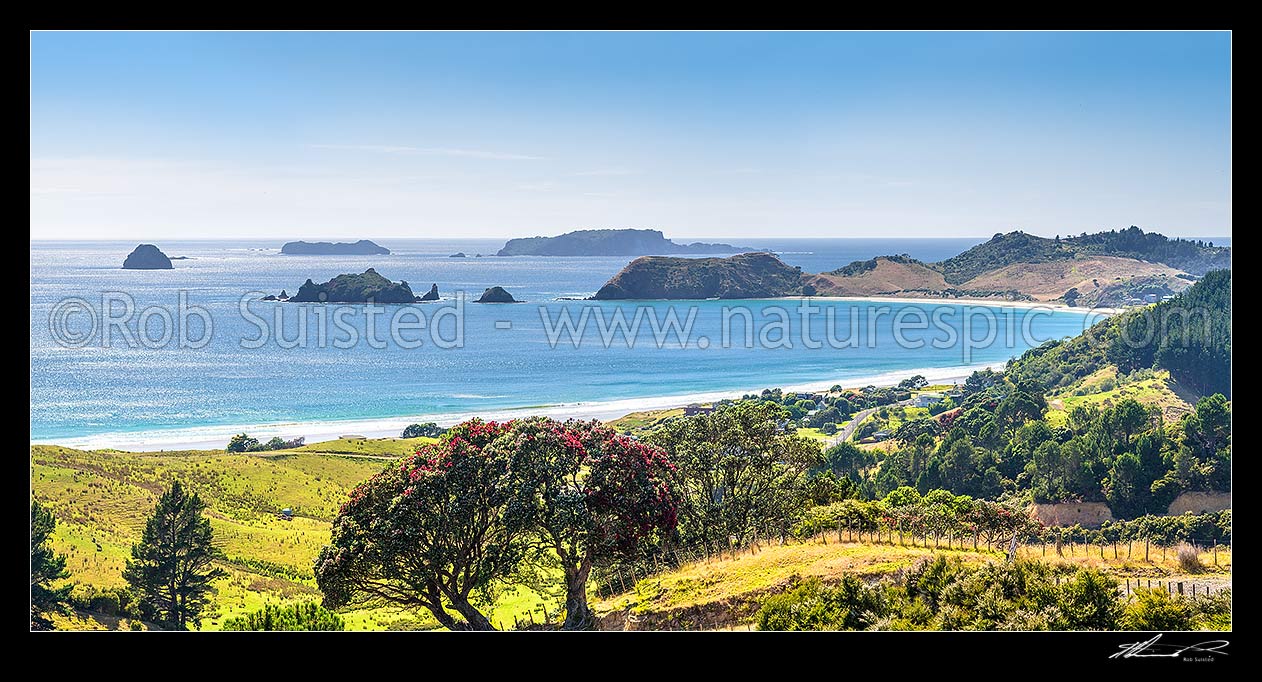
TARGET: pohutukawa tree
(592,496)
(171,569)
(459,517)
(434,532)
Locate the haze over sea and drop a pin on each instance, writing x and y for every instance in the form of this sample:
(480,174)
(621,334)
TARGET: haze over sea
(143,398)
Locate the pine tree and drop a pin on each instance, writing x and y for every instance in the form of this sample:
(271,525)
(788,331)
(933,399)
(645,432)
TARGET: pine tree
(46,567)
(171,569)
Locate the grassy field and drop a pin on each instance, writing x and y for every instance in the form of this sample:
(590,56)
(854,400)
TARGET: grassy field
(755,571)
(725,593)
(1105,388)
(637,423)
(102,499)
(814,433)
(379,447)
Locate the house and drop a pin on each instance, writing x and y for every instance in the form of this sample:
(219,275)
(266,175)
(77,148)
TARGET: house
(695,409)
(927,399)
(881,435)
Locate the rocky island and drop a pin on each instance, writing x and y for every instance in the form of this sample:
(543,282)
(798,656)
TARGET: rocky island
(496,295)
(147,257)
(368,287)
(431,295)
(746,275)
(362,247)
(609,243)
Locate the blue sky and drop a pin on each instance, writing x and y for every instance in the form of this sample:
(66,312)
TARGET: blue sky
(187,135)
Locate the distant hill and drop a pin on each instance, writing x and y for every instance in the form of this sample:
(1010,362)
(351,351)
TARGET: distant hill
(362,247)
(881,276)
(1194,257)
(746,275)
(1127,267)
(609,243)
(361,288)
(1095,280)
(1001,250)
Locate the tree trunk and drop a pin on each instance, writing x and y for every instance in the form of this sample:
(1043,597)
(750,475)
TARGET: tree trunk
(474,620)
(445,619)
(474,617)
(577,614)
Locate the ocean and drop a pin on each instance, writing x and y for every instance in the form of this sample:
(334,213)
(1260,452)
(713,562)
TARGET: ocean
(473,359)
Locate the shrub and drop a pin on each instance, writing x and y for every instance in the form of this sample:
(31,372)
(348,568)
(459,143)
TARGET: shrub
(111,601)
(242,443)
(1213,611)
(1155,609)
(1090,601)
(1189,559)
(850,605)
(428,429)
(308,616)
(828,429)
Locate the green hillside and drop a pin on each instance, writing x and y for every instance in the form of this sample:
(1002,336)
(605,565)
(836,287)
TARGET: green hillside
(101,499)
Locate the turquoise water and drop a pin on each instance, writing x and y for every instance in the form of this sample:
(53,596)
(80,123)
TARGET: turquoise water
(504,362)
